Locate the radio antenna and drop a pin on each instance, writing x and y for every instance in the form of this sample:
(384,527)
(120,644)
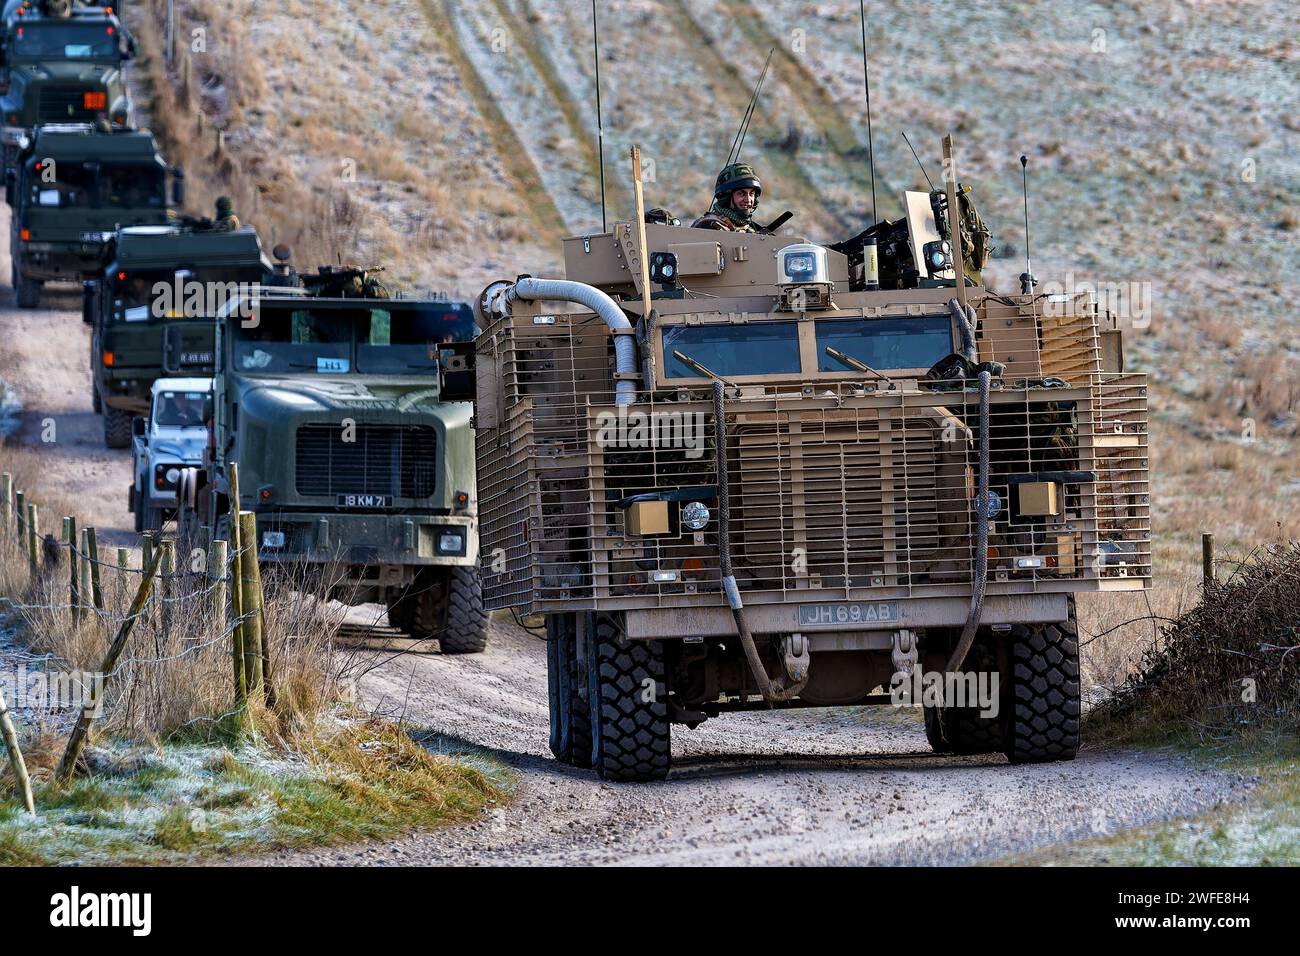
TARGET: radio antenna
(866,82)
(1027,281)
(918,161)
(600,126)
(738,143)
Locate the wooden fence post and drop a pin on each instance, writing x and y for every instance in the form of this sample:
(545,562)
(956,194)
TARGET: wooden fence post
(123,567)
(78,738)
(217,560)
(251,600)
(1208,578)
(6,498)
(168,565)
(236,593)
(74,590)
(83,582)
(20,515)
(92,558)
(21,780)
(32,554)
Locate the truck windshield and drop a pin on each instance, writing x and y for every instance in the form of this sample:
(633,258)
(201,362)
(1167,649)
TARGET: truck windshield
(180,409)
(66,41)
(144,295)
(76,185)
(401,339)
(395,338)
(885,343)
(759,348)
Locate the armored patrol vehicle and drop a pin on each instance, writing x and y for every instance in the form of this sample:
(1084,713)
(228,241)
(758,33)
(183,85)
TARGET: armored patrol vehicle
(153,308)
(61,62)
(72,185)
(348,414)
(171,438)
(746,471)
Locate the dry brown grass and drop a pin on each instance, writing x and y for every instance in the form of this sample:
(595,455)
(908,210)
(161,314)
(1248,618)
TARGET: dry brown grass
(215,90)
(176,677)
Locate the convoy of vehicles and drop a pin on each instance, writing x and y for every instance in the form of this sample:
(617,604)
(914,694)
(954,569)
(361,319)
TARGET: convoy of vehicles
(61,62)
(171,438)
(152,309)
(733,471)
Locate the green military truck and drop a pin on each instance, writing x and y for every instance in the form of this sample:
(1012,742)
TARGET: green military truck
(72,185)
(153,307)
(60,63)
(349,417)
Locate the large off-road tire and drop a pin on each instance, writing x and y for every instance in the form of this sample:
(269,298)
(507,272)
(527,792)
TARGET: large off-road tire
(566,676)
(117,427)
(1045,703)
(446,604)
(465,631)
(963,728)
(26,291)
(628,694)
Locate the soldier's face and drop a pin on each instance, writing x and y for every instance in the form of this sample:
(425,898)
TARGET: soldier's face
(745,200)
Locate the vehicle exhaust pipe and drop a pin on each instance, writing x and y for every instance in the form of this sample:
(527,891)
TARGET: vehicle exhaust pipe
(497,301)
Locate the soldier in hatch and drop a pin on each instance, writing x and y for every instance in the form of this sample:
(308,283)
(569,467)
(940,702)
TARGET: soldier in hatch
(735,197)
(226,220)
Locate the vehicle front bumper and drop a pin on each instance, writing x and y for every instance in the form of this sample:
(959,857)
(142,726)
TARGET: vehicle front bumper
(365,540)
(58,261)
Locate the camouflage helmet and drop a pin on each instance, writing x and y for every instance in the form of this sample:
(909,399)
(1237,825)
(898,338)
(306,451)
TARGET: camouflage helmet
(225,206)
(736,176)
(662,216)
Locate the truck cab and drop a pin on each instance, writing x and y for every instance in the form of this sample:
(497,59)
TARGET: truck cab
(170,438)
(59,66)
(349,418)
(152,310)
(72,186)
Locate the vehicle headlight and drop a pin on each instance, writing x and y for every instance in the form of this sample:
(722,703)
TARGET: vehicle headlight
(451,542)
(988,505)
(173,474)
(695,515)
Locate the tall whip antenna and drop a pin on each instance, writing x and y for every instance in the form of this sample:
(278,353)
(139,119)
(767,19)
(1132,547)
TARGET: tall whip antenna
(918,161)
(600,126)
(738,143)
(866,82)
(1027,281)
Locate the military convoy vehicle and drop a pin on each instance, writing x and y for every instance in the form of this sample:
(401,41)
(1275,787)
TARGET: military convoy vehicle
(61,62)
(171,438)
(72,185)
(744,471)
(348,414)
(153,309)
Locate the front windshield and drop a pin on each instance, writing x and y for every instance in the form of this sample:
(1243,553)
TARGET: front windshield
(760,348)
(66,41)
(885,343)
(180,409)
(394,337)
(76,185)
(142,295)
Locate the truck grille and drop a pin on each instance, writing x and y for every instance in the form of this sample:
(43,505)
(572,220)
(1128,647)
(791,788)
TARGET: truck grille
(63,104)
(392,460)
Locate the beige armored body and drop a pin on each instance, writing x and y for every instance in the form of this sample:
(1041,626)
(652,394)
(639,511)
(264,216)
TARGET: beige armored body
(741,471)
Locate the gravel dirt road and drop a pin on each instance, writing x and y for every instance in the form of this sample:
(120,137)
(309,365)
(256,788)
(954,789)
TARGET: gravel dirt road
(48,369)
(812,786)
(840,786)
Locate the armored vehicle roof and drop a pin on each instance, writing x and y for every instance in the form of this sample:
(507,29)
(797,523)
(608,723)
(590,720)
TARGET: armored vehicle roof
(82,141)
(182,245)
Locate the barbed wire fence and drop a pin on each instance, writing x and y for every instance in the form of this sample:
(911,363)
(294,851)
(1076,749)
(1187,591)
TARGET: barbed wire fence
(178,638)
